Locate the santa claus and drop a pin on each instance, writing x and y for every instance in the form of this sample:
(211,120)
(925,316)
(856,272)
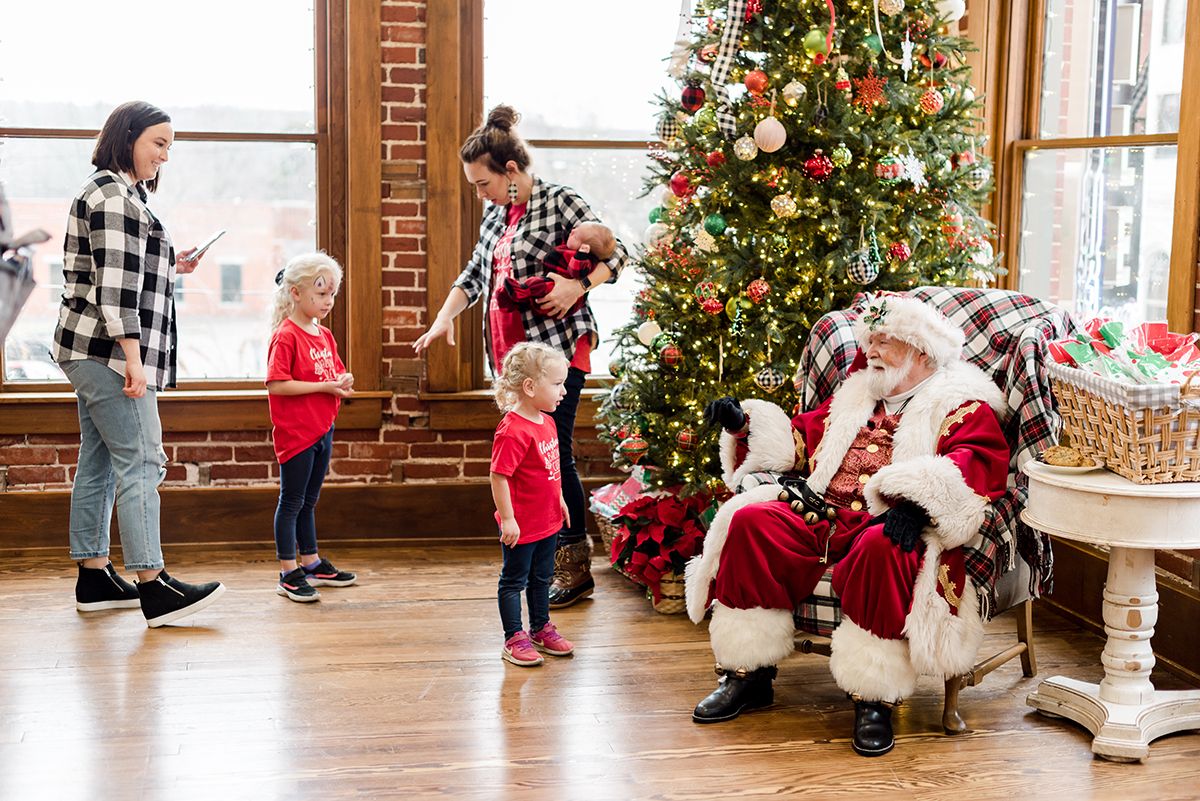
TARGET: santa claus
(885,481)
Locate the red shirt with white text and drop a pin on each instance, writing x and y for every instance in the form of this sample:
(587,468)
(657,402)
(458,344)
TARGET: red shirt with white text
(527,453)
(296,355)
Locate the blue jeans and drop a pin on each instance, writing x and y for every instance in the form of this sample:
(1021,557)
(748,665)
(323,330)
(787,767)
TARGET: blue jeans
(300,480)
(527,568)
(572,489)
(121,461)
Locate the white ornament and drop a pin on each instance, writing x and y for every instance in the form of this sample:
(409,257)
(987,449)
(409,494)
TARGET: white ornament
(769,135)
(982,254)
(794,92)
(951,10)
(704,241)
(891,7)
(745,149)
(914,171)
(647,331)
(669,199)
(968,94)
(656,233)
(906,54)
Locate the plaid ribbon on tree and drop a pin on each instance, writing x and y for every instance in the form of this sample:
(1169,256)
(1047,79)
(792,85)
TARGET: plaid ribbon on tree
(1006,336)
(735,18)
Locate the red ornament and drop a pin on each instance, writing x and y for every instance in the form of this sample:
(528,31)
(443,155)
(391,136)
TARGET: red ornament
(671,355)
(692,98)
(869,91)
(937,62)
(705,290)
(952,222)
(964,159)
(708,53)
(932,101)
(715,158)
(680,185)
(900,251)
(712,306)
(819,59)
(634,448)
(756,82)
(686,439)
(758,289)
(753,7)
(818,167)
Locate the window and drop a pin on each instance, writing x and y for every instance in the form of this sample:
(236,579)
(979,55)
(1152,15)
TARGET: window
(588,116)
(245,156)
(231,282)
(1098,182)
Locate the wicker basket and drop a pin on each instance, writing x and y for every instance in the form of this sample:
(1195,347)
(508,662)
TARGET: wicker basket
(608,530)
(1147,442)
(671,600)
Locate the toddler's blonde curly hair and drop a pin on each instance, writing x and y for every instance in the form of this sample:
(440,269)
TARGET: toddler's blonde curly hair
(525,360)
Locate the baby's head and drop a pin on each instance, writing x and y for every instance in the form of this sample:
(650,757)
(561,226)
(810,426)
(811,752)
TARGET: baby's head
(599,238)
(309,281)
(531,371)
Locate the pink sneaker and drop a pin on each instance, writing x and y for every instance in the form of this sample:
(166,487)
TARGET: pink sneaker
(549,640)
(519,651)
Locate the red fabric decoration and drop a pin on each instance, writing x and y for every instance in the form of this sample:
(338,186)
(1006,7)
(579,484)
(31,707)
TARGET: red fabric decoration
(523,295)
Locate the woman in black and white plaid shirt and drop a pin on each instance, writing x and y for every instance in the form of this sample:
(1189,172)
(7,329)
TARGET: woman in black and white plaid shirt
(115,341)
(526,220)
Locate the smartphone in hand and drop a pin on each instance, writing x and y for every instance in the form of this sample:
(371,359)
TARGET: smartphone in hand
(207,244)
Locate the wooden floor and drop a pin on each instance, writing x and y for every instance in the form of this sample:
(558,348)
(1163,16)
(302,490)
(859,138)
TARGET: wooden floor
(394,690)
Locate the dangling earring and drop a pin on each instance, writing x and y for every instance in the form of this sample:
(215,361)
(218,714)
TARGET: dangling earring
(512,191)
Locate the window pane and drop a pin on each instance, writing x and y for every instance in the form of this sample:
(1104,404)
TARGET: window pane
(262,193)
(610,181)
(602,64)
(1096,236)
(217,65)
(1110,67)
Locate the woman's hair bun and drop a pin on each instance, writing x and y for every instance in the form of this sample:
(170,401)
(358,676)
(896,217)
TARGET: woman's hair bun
(503,117)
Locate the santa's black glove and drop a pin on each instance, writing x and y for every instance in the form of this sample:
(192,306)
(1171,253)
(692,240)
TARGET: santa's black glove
(725,412)
(904,523)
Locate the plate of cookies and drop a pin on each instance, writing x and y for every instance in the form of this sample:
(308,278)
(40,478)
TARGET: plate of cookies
(1065,459)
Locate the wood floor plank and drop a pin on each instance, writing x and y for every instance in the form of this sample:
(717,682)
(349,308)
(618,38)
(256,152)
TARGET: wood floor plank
(394,689)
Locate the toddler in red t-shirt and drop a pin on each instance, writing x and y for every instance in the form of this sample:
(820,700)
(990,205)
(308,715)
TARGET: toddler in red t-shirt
(527,488)
(306,382)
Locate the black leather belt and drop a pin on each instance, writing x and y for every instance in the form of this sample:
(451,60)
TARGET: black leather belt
(804,500)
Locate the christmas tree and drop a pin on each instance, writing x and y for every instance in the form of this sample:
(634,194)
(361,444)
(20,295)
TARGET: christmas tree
(816,149)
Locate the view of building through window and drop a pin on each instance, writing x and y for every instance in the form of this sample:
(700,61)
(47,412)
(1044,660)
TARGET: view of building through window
(1096,218)
(262,190)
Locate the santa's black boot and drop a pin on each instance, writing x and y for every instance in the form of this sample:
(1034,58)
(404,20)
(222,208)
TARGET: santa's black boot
(739,691)
(872,728)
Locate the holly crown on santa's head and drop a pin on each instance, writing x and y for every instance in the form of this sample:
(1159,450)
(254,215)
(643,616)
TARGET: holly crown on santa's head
(877,310)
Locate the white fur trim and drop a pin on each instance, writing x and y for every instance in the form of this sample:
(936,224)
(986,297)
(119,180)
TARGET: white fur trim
(940,643)
(917,323)
(853,404)
(870,667)
(702,569)
(770,444)
(936,484)
(750,638)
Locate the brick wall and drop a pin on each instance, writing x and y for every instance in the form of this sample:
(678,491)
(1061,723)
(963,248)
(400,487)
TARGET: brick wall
(405,450)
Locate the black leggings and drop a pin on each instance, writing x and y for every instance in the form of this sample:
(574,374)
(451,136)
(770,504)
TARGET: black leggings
(564,420)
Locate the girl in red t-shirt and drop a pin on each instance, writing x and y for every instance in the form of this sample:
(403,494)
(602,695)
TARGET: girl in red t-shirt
(306,382)
(527,488)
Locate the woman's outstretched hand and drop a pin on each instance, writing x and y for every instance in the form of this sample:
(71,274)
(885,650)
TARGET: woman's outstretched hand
(440,328)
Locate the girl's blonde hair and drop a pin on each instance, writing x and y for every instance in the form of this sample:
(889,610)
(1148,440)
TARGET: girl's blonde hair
(301,271)
(525,360)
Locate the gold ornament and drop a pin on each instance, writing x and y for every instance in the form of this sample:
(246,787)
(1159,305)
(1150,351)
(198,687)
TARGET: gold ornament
(784,205)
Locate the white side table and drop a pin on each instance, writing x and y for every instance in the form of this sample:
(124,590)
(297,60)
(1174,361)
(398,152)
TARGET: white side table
(1124,712)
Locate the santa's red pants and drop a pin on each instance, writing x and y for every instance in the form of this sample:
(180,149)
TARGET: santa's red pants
(773,559)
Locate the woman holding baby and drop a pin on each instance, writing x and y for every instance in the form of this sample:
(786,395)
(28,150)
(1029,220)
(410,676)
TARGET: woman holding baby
(525,224)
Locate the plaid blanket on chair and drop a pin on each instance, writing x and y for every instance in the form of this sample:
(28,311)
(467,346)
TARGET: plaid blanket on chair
(1006,336)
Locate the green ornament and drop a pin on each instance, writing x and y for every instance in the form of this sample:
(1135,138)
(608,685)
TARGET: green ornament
(874,43)
(656,214)
(814,42)
(715,224)
(840,156)
(706,117)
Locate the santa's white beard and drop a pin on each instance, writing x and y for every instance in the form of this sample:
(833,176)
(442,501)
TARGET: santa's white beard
(882,381)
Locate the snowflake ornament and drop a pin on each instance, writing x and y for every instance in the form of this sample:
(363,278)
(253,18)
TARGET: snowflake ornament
(906,55)
(869,92)
(914,171)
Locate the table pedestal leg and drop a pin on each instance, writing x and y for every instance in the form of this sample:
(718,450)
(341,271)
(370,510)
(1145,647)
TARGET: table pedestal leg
(1124,711)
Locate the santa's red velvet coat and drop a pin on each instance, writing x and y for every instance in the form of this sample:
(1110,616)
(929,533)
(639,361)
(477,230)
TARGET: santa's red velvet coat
(904,614)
